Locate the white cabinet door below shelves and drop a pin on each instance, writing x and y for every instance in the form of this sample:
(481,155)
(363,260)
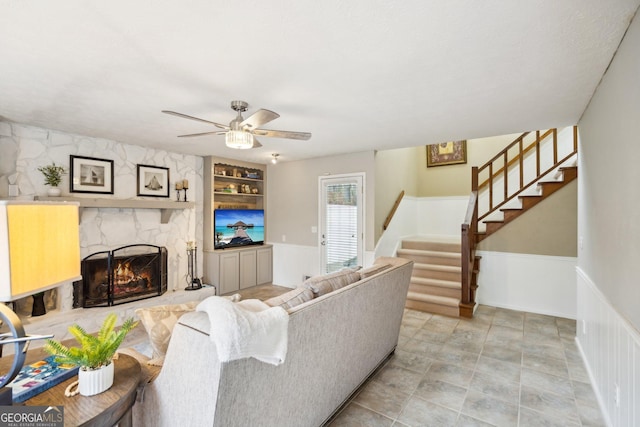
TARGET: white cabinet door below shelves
(247,269)
(265,265)
(229,272)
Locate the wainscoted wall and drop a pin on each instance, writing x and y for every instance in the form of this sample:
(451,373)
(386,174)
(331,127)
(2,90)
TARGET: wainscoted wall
(291,263)
(25,148)
(610,348)
(423,216)
(533,283)
(441,215)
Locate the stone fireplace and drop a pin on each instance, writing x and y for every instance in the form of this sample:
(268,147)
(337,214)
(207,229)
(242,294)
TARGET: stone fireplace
(122,275)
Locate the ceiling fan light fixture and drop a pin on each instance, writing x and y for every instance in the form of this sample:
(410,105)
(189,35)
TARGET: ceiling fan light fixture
(239,139)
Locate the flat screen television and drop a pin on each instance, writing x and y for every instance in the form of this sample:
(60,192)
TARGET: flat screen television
(238,227)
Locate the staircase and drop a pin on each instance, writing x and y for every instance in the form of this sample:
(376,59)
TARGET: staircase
(436,279)
(564,176)
(445,272)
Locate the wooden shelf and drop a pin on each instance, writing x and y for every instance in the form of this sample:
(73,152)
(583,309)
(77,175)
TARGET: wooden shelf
(224,193)
(166,206)
(234,178)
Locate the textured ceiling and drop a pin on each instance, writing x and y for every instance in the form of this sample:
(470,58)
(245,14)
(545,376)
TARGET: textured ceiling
(359,74)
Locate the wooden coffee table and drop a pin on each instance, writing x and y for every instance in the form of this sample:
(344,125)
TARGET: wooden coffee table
(105,409)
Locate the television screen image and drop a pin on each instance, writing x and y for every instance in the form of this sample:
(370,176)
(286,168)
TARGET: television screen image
(238,227)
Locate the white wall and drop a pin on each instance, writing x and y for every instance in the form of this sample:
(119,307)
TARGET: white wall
(609,232)
(423,216)
(608,199)
(526,282)
(292,200)
(292,196)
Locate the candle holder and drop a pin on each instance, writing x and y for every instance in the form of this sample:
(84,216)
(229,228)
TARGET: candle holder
(185,194)
(193,282)
(177,195)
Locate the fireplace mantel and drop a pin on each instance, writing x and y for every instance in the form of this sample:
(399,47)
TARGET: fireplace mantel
(166,206)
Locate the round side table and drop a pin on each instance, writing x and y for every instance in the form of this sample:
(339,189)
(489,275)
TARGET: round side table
(105,409)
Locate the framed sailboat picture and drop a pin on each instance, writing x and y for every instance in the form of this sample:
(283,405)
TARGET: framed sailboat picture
(153,181)
(91,175)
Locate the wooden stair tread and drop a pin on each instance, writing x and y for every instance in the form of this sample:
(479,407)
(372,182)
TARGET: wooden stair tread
(452,302)
(440,254)
(530,196)
(436,282)
(436,267)
(434,244)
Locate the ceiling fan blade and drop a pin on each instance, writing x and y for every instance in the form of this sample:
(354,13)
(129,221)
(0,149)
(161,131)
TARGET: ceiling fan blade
(184,116)
(259,118)
(218,132)
(282,134)
(256,144)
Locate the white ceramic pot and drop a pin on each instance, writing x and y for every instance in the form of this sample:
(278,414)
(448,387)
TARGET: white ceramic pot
(95,381)
(53,192)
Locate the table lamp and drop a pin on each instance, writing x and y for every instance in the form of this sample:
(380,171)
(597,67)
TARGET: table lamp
(39,250)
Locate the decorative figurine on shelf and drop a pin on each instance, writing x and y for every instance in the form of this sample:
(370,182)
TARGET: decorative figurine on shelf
(178,188)
(185,187)
(193,282)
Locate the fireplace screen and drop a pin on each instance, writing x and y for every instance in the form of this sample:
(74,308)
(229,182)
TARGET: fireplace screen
(123,275)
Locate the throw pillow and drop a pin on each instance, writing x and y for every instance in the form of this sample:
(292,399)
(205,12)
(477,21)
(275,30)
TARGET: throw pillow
(159,321)
(291,298)
(321,285)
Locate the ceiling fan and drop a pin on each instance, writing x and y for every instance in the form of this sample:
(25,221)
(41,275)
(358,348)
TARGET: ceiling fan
(240,133)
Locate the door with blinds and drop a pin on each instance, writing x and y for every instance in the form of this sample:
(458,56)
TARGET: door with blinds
(341,222)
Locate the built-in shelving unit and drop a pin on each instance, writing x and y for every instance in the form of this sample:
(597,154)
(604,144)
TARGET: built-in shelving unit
(237,186)
(166,206)
(233,184)
(230,184)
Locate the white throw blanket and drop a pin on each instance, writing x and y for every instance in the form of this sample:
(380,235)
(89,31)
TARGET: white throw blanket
(248,328)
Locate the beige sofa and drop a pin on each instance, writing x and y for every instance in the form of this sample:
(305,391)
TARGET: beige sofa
(335,342)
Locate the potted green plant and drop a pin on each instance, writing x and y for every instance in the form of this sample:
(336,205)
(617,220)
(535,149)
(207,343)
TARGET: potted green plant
(53,177)
(94,354)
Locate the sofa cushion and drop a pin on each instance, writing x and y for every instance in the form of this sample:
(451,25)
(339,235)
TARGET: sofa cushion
(321,285)
(159,322)
(374,269)
(291,298)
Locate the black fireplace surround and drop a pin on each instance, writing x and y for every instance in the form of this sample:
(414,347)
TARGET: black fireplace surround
(123,275)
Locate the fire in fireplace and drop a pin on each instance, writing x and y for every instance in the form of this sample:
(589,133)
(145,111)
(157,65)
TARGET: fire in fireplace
(126,274)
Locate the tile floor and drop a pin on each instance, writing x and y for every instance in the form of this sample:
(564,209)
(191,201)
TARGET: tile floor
(501,368)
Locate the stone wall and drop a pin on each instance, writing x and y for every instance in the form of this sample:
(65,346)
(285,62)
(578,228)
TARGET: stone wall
(25,148)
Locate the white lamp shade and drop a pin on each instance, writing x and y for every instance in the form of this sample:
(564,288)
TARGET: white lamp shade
(239,139)
(39,247)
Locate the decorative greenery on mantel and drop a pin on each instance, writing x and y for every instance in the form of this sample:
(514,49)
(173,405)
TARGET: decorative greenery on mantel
(52,174)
